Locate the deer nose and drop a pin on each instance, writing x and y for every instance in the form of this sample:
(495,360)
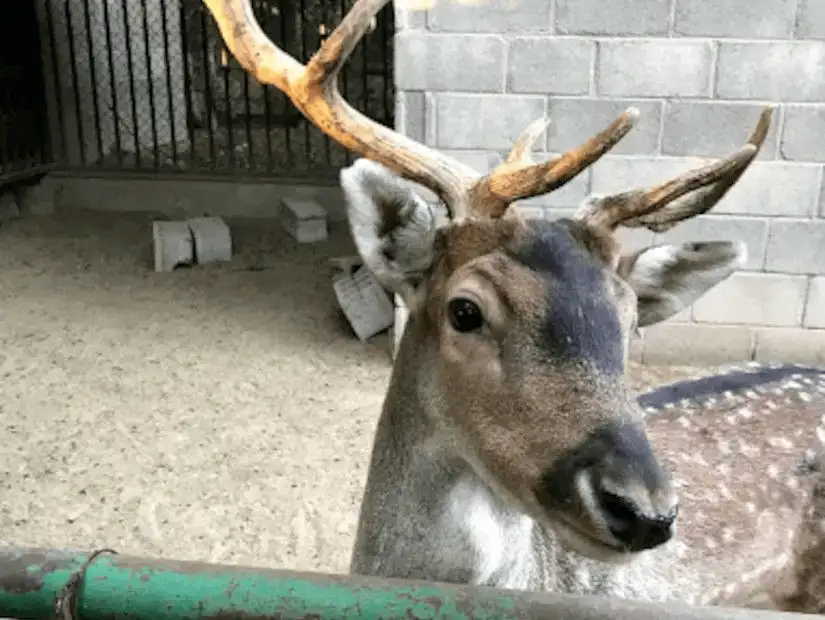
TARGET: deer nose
(635,529)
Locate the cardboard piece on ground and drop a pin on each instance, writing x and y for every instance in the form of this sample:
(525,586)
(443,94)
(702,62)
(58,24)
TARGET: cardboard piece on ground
(364,301)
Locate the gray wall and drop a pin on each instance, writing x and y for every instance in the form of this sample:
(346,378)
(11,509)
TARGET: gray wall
(472,76)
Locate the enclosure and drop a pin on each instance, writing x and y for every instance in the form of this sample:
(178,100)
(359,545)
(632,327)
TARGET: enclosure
(225,414)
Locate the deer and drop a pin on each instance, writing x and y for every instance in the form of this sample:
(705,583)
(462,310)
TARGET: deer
(510,451)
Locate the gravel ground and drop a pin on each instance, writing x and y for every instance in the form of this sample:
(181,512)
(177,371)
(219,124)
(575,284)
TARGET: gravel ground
(222,414)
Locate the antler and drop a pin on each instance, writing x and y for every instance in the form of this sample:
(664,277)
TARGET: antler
(519,177)
(661,207)
(314,91)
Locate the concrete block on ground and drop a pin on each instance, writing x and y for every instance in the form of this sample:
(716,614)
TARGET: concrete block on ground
(365,303)
(212,240)
(8,206)
(173,245)
(305,220)
(788,344)
(38,198)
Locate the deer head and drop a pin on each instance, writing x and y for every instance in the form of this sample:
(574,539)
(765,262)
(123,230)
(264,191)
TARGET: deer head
(519,329)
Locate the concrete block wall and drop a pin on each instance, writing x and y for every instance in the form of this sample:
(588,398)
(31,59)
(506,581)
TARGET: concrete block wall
(471,76)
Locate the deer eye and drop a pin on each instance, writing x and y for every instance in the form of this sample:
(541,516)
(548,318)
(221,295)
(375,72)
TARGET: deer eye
(465,315)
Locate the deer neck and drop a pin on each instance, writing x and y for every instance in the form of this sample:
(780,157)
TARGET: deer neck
(425,514)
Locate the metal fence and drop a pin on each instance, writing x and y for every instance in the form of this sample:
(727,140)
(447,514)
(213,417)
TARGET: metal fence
(147,85)
(24,147)
(51,583)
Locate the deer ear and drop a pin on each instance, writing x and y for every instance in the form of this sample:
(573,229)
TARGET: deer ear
(669,278)
(393,228)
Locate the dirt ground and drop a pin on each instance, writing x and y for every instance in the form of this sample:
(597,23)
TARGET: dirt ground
(222,414)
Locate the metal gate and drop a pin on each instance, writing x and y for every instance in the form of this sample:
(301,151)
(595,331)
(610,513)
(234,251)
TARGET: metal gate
(147,85)
(24,146)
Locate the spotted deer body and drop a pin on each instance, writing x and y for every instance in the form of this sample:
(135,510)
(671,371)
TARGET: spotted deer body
(510,450)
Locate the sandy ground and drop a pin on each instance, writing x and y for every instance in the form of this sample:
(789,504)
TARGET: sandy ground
(220,414)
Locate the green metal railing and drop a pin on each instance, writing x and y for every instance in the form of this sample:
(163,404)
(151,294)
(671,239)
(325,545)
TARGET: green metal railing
(43,584)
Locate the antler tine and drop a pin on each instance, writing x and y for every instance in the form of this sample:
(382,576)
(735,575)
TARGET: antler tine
(690,194)
(519,177)
(314,91)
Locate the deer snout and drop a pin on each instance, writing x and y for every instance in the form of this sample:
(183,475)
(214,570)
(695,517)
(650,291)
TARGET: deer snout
(611,488)
(628,490)
(635,528)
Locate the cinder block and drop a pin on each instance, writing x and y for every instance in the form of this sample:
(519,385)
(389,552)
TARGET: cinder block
(802,134)
(810,20)
(776,71)
(466,121)
(459,62)
(38,198)
(754,299)
(550,65)
(790,345)
(618,17)
(410,114)
(691,343)
(796,246)
(409,18)
(173,245)
(774,188)
(575,119)
(752,231)
(8,206)
(746,19)
(305,220)
(713,128)
(765,189)
(654,68)
(815,305)
(528,16)
(616,173)
(212,240)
